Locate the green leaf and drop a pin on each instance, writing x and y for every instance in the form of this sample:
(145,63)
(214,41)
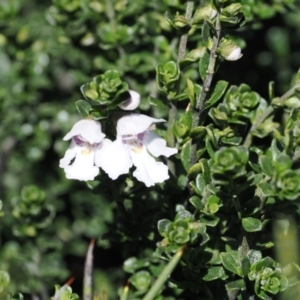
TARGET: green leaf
(245,265)
(266,188)
(266,165)
(214,273)
(209,148)
(132,264)
(99,115)
(200,183)
(230,262)
(297,79)
(191,92)
(205,170)
(163,226)
(83,107)
(235,285)
(275,149)
(198,132)
(4,281)
(211,221)
(158,103)
(271,90)
(251,224)
(196,202)
(185,155)
(195,170)
(203,65)
(206,39)
(217,93)
(179,129)
(254,256)
(282,163)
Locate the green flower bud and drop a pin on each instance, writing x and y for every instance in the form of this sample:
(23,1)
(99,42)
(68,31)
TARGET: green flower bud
(232,9)
(180,21)
(196,53)
(292,102)
(204,13)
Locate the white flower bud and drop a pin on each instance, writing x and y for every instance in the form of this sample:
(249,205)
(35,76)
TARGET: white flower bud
(235,54)
(229,50)
(133,102)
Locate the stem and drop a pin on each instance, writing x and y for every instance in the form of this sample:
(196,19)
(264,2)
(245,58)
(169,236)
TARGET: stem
(170,135)
(88,269)
(164,275)
(266,113)
(125,291)
(184,37)
(173,109)
(199,107)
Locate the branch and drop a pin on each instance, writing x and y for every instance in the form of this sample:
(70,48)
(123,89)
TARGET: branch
(173,109)
(88,269)
(199,107)
(184,37)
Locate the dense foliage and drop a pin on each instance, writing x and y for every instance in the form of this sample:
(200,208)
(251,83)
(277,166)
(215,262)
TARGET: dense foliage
(224,75)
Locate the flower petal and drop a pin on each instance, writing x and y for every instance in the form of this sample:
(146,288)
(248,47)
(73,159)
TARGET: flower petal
(69,155)
(133,102)
(148,170)
(89,130)
(114,158)
(83,166)
(135,123)
(157,146)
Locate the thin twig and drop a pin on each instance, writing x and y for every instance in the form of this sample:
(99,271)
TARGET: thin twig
(88,270)
(184,37)
(173,109)
(198,109)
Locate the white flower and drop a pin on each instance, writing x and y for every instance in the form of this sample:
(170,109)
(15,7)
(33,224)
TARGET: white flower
(135,145)
(87,140)
(131,103)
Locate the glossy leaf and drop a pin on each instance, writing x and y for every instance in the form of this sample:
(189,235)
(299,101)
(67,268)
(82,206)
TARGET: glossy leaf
(251,224)
(214,273)
(217,93)
(185,155)
(158,103)
(203,65)
(83,107)
(230,261)
(235,285)
(266,165)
